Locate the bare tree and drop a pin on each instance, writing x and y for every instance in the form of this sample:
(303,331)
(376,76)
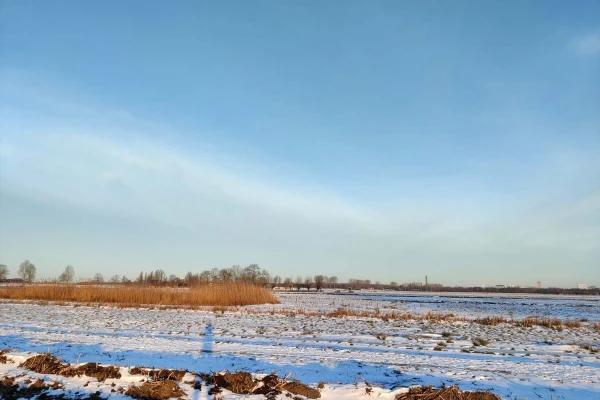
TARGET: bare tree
(27,271)
(115,279)
(319,280)
(204,277)
(215,275)
(308,283)
(98,278)
(124,279)
(298,283)
(226,275)
(251,273)
(276,281)
(287,283)
(332,280)
(67,275)
(3,272)
(160,276)
(236,272)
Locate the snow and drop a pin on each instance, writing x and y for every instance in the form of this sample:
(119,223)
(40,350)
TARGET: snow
(346,353)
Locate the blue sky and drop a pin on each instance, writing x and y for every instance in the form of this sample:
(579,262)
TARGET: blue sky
(383,139)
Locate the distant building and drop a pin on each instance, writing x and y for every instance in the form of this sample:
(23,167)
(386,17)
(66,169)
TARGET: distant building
(499,286)
(582,286)
(539,285)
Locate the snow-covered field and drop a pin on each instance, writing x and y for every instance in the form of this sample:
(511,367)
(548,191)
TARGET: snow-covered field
(517,363)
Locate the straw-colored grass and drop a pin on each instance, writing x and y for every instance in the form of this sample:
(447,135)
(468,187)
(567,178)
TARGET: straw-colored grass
(232,294)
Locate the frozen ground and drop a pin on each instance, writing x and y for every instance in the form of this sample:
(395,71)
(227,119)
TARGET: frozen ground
(517,362)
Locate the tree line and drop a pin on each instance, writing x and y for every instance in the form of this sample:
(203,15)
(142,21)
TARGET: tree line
(259,276)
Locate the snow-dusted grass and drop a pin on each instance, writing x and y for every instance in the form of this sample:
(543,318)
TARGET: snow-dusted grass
(514,361)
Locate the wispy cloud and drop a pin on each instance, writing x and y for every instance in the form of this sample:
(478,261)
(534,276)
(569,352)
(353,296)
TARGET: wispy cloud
(82,164)
(588,44)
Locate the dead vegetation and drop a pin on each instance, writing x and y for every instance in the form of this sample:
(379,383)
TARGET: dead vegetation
(270,386)
(446,393)
(3,359)
(480,342)
(225,294)
(164,384)
(159,390)
(48,364)
(10,390)
(393,316)
(160,374)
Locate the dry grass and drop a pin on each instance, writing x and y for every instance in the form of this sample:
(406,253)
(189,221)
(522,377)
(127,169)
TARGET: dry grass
(496,320)
(536,321)
(233,294)
(343,312)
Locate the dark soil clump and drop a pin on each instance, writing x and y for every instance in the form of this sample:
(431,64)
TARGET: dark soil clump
(48,364)
(239,382)
(9,390)
(3,359)
(160,374)
(97,371)
(449,393)
(160,390)
(302,390)
(270,386)
(45,364)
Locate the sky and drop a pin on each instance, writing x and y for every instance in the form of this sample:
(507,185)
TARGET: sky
(382,140)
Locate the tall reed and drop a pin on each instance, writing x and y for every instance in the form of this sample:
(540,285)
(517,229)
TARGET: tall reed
(230,294)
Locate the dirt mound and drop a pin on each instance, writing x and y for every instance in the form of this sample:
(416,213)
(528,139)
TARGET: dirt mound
(9,390)
(450,393)
(160,390)
(160,374)
(46,364)
(270,386)
(97,371)
(3,359)
(239,382)
(302,390)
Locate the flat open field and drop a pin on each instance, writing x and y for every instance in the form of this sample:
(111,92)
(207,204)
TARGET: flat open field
(347,353)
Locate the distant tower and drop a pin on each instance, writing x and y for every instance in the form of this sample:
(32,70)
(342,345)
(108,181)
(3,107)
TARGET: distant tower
(539,285)
(425,280)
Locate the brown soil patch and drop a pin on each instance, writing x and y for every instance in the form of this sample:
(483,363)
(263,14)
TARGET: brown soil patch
(160,390)
(239,382)
(9,390)
(97,371)
(3,359)
(450,393)
(45,364)
(270,386)
(160,374)
(48,364)
(302,390)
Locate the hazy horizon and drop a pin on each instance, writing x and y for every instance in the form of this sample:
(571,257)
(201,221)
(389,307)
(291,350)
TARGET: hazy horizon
(372,140)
